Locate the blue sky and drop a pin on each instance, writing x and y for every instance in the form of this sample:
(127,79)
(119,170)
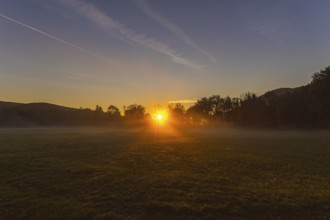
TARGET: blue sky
(81,53)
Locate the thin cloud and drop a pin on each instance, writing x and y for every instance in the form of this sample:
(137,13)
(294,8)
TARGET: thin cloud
(183,101)
(275,31)
(111,26)
(171,26)
(58,39)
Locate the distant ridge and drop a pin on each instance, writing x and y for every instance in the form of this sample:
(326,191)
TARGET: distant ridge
(8,104)
(284,91)
(33,105)
(41,106)
(280,91)
(45,114)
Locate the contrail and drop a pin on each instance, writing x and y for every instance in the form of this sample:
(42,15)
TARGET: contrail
(58,39)
(171,26)
(110,26)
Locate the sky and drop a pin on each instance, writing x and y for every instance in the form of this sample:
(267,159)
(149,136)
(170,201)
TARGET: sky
(81,53)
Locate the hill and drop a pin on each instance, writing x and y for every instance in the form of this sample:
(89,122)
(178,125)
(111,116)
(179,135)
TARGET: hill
(307,106)
(45,114)
(280,91)
(8,104)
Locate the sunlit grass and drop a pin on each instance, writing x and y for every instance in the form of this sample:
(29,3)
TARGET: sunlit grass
(88,173)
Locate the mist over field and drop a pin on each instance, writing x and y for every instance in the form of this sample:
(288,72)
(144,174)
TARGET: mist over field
(93,173)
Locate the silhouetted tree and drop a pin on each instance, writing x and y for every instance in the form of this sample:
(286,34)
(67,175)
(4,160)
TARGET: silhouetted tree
(113,111)
(318,97)
(321,77)
(220,107)
(177,113)
(215,103)
(212,109)
(113,114)
(98,109)
(135,112)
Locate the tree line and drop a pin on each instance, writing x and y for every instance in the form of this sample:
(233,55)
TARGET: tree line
(303,107)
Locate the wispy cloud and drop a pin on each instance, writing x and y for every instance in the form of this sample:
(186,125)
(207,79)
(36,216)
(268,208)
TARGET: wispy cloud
(183,101)
(171,26)
(273,30)
(58,39)
(111,26)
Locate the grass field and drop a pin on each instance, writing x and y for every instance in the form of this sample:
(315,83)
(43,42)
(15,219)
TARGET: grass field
(108,174)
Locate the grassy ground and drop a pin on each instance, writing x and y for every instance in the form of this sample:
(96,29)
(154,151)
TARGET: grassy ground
(104,174)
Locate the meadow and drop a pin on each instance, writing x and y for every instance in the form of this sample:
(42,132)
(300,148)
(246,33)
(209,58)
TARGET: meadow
(93,173)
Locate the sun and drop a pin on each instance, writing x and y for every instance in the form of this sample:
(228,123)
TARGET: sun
(160,116)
